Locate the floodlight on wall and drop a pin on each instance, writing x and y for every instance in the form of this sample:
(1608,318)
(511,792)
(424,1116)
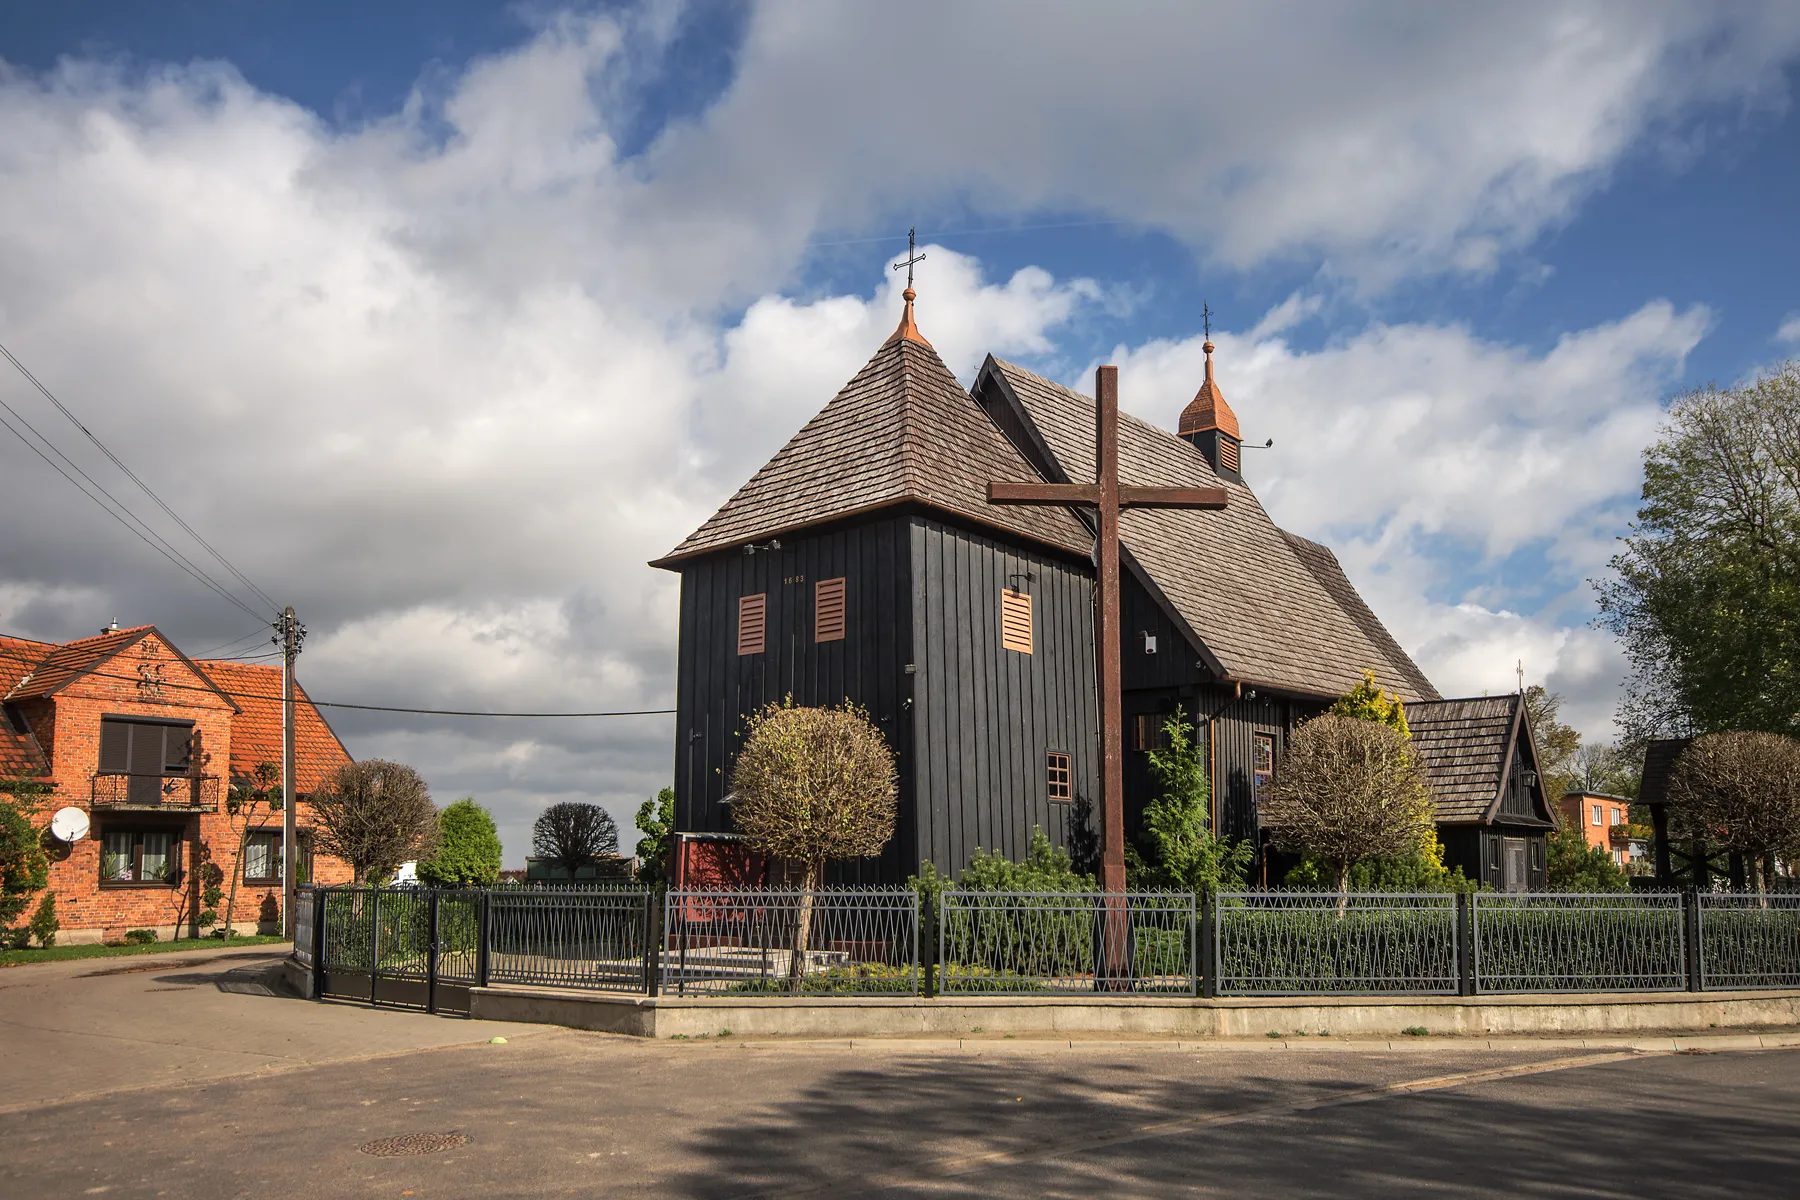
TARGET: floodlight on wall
(1149,642)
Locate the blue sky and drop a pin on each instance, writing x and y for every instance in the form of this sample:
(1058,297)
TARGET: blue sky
(506,299)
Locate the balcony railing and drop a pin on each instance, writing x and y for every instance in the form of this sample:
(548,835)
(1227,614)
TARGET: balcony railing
(167,793)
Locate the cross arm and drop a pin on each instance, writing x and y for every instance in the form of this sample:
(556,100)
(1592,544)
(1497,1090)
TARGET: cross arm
(1044,493)
(1171,497)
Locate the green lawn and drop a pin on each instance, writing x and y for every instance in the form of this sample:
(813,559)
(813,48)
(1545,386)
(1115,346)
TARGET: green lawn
(18,958)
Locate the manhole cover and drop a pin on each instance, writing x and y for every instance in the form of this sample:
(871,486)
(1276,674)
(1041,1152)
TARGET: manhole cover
(414,1143)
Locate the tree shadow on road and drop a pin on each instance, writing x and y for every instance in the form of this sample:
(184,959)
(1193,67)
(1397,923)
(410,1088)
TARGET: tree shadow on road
(1659,1126)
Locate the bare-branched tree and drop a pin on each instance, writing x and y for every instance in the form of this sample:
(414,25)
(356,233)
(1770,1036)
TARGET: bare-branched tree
(814,784)
(1347,790)
(1739,792)
(573,835)
(375,815)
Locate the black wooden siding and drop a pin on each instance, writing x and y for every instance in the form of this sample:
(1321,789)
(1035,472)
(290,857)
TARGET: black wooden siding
(717,688)
(986,717)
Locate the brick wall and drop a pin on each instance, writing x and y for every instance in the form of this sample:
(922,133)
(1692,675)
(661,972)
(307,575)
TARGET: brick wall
(156,685)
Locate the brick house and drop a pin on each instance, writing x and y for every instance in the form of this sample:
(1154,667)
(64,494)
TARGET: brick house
(148,742)
(1602,820)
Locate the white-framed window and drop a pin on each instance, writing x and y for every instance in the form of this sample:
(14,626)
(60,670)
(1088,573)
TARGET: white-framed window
(1598,818)
(1618,816)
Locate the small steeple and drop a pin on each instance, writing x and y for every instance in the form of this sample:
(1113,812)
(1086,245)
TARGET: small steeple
(1209,423)
(908,330)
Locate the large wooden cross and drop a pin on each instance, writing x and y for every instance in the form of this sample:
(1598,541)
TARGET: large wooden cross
(1107,496)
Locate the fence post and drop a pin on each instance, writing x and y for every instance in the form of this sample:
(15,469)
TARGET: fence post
(484,929)
(1209,944)
(431,952)
(318,932)
(374,940)
(1690,937)
(1465,944)
(928,943)
(652,943)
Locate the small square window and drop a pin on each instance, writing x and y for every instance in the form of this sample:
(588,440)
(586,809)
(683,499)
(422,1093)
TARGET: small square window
(1149,731)
(1058,777)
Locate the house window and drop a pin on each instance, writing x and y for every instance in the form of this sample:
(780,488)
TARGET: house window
(262,857)
(1149,732)
(1597,819)
(1015,620)
(145,857)
(1228,453)
(1058,777)
(144,747)
(752,622)
(1263,765)
(1618,816)
(828,610)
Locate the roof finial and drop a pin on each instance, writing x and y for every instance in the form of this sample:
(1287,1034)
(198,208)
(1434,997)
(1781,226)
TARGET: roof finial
(908,331)
(1207,345)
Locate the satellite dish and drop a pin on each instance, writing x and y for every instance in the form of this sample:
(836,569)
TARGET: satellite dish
(69,825)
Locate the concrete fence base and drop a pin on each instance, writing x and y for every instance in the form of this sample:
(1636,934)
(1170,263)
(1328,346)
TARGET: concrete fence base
(1365,1016)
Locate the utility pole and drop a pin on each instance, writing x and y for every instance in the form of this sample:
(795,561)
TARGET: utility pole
(292,633)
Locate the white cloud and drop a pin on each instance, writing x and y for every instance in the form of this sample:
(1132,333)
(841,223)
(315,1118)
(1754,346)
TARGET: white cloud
(1790,328)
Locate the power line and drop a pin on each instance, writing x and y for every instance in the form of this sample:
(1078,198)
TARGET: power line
(215,651)
(120,513)
(133,476)
(429,712)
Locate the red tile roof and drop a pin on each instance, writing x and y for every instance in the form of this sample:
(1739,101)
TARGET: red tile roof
(19,752)
(256,730)
(63,664)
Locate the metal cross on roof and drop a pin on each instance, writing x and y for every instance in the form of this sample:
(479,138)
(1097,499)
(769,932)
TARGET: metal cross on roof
(911,258)
(1106,495)
(1206,318)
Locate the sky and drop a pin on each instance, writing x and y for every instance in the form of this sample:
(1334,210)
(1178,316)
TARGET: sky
(440,320)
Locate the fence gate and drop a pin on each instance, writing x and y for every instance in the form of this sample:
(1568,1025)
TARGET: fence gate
(412,947)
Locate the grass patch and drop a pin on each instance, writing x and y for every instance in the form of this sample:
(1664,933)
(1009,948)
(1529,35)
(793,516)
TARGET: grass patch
(1415,1031)
(18,958)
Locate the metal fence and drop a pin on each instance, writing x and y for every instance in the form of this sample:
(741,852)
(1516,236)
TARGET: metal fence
(1748,941)
(1315,943)
(430,948)
(784,942)
(1572,942)
(1050,943)
(595,938)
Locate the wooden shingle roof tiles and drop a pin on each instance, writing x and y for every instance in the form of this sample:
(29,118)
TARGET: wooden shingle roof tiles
(1269,616)
(1463,745)
(902,430)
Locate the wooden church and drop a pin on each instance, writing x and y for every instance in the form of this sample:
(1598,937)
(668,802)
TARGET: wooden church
(866,562)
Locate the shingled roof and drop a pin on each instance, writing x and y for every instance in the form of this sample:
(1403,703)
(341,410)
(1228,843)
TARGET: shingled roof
(1463,745)
(65,663)
(1659,768)
(256,729)
(20,754)
(1270,609)
(901,431)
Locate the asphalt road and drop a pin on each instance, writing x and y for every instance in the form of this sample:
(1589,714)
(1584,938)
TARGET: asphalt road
(555,1112)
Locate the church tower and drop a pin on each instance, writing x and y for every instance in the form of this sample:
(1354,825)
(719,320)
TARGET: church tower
(1212,427)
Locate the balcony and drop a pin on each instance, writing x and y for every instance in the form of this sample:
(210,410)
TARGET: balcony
(156,793)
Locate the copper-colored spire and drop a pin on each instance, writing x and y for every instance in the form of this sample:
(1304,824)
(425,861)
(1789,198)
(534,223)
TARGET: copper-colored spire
(1208,410)
(907,328)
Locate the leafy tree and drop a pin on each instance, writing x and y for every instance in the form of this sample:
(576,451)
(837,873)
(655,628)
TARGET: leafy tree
(468,849)
(814,784)
(573,835)
(1557,743)
(1609,770)
(1706,597)
(375,815)
(1367,702)
(1349,790)
(44,923)
(24,867)
(1186,853)
(1574,866)
(1740,793)
(656,821)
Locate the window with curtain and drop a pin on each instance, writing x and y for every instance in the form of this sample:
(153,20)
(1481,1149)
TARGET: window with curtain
(117,849)
(262,858)
(140,856)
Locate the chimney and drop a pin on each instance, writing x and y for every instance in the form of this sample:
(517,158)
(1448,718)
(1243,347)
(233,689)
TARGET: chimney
(1212,427)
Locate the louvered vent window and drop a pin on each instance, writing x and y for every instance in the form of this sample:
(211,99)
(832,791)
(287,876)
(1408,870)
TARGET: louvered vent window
(1228,454)
(1015,620)
(1057,776)
(752,621)
(828,610)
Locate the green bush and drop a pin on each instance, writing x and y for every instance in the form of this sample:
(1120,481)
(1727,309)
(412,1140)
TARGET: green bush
(24,867)
(44,924)
(1574,866)
(468,853)
(1421,872)
(1315,949)
(139,937)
